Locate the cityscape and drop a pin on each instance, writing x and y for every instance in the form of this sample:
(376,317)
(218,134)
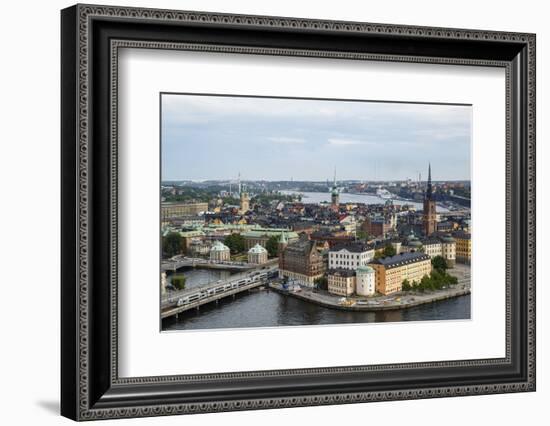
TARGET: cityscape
(260,251)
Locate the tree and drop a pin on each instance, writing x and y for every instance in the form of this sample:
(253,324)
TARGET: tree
(405,285)
(235,242)
(171,244)
(452,279)
(389,251)
(362,235)
(439,263)
(425,283)
(321,283)
(178,281)
(272,246)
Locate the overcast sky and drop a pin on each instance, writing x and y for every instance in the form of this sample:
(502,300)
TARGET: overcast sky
(216,137)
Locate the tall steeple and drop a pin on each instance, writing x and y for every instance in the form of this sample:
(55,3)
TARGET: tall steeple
(429,185)
(430,214)
(239,181)
(243,195)
(335,194)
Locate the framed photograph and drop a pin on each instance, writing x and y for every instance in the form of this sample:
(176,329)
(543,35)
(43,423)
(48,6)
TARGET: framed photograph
(263,212)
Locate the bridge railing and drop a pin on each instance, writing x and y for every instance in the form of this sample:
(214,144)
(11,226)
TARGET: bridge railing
(173,310)
(174,296)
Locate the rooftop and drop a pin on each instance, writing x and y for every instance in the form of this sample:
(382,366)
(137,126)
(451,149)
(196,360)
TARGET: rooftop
(268,232)
(219,246)
(342,272)
(429,241)
(301,246)
(257,249)
(401,259)
(182,203)
(354,247)
(462,235)
(364,268)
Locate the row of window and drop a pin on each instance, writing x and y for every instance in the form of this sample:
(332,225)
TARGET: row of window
(344,256)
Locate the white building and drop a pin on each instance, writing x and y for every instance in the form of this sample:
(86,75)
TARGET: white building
(257,254)
(350,256)
(444,246)
(448,250)
(219,252)
(365,281)
(341,282)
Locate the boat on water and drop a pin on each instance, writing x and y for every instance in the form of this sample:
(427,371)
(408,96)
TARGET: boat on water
(292,287)
(343,301)
(384,194)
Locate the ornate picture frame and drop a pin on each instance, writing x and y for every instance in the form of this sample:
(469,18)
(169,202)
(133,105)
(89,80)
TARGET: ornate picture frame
(91,37)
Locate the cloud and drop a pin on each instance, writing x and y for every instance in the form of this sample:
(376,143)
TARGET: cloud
(372,139)
(442,134)
(285,140)
(345,142)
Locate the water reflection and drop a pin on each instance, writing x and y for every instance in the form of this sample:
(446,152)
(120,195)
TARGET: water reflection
(268,308)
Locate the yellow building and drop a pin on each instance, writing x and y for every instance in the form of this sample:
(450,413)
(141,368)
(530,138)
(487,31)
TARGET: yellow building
(390,272)
(341,282)
(170,210)
(441,245)
(463,247)
(245,203)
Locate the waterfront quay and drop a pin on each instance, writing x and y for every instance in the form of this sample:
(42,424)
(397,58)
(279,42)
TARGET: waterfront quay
(395,301)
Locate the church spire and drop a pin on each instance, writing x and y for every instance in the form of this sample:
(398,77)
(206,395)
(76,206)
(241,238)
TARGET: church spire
(429,185)
(239,181)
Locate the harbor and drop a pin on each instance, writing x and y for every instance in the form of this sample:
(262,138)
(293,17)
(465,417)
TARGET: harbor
(267,304)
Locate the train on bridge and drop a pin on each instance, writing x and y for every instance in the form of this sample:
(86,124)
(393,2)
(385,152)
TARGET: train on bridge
(194,298)
(259,276)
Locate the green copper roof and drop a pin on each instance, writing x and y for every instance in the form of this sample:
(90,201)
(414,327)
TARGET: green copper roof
(365,268)
(257,249)
(219,246)
(259,233)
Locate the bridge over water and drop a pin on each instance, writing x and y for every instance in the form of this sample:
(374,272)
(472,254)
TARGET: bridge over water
(176,302)
(193,262)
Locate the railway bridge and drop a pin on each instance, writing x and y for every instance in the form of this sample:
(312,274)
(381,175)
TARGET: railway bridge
(177,302)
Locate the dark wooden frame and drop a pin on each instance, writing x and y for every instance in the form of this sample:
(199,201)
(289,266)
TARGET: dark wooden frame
(90,386)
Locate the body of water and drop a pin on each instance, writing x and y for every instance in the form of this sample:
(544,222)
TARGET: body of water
(267,308)
(199,277)
(320,197)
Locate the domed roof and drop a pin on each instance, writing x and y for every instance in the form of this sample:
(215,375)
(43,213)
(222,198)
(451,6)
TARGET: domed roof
(364,269)
(219,246)
(257,249)
(447,239)
(412,240)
